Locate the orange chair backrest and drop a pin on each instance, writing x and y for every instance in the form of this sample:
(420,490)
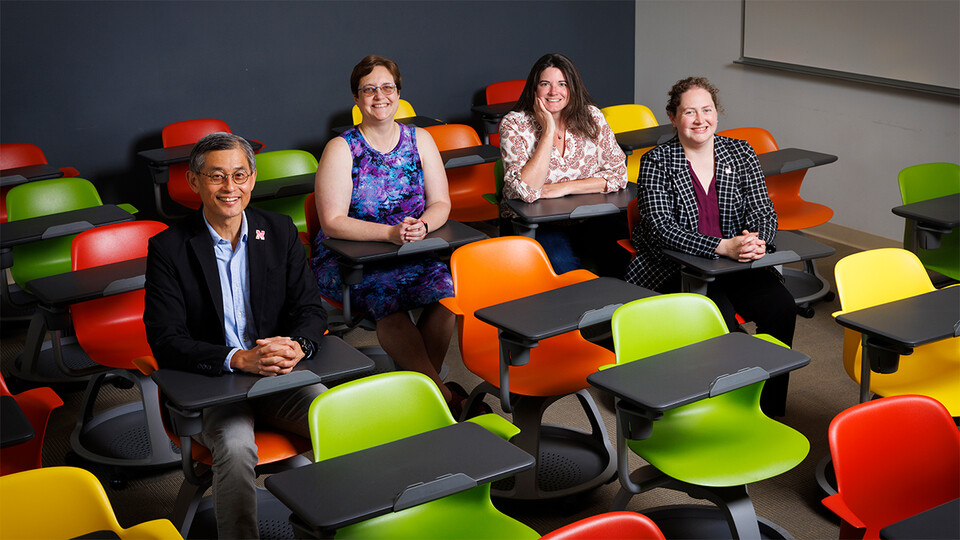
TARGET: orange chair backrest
(110,329)
(785,191)
(187,132)
(505,91)
(452,136)
(609,525)
(466,184)
(895,457)
(760,139)
(20,155)
(492,271)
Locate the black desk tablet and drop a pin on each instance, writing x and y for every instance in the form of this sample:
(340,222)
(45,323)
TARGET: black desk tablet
(25,231)
(14,426)
(895,328)
(189,391)
(452,235)
(941,211)
(390,477)
(275,188)
(353,255)
(645,138)
(60,290)
(29,173)
(792,159)
(494,111)
(791,247)
(932,218)
(551,313)
(681,376)
(938,523)
(164,157)
(473,155)
(586,205)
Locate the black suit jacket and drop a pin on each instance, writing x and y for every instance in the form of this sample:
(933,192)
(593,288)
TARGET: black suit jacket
(183,310)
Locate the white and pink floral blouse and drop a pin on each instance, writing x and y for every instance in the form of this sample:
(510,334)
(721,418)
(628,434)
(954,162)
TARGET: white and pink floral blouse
(583,157)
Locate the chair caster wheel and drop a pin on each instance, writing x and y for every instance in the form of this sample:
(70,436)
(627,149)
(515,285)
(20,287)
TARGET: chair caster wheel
(118,481)
(805,312)
(830,296)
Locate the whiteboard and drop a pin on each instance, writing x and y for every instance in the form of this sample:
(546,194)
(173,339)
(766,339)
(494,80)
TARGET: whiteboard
(913,44)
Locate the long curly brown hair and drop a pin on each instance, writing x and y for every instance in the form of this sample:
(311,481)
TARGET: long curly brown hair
(576,115)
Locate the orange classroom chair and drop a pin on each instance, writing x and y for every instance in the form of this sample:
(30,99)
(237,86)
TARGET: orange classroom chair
(467,185)
(500,269)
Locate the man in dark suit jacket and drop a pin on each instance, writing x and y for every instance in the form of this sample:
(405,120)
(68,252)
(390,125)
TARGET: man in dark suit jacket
(228,288)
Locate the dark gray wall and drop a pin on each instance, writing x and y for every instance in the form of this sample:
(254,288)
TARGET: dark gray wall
(92,83)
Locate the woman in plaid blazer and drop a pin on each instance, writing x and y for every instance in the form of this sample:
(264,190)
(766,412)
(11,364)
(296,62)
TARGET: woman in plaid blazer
(705,195)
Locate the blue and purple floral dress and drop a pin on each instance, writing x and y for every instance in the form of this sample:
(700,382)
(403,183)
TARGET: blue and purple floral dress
(386,188)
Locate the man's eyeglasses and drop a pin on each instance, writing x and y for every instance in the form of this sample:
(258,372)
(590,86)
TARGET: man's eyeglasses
(239,177)
(388,89)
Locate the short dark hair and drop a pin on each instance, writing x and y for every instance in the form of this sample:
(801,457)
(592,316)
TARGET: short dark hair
(219,141)
(365,66)
(683,85)
(576,115)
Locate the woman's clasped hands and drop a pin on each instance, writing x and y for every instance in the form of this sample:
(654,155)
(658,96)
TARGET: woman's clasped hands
(409,230)
(744,248)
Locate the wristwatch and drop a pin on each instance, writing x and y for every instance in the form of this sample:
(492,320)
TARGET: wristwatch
(305,345)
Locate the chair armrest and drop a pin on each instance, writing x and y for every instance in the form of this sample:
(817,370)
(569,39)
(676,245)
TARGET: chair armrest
(771,339)
(574,276)
(839,507)
(627,245)
(496,424)
(451,304)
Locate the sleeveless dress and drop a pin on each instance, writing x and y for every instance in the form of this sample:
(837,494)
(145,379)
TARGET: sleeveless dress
(386,188)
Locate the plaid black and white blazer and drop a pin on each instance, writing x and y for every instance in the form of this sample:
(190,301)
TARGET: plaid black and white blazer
(669,214)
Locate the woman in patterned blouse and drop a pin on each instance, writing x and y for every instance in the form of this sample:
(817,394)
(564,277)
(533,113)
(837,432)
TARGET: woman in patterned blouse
(556,142)
(705,195)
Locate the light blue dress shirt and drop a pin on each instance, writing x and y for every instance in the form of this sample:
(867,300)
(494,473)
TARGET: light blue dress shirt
(235,289)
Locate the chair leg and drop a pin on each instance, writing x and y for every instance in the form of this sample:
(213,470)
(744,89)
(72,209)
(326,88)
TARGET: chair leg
(185,507)
(577,461)
(736,505)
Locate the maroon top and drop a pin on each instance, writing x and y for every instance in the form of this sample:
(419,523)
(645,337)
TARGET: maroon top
(708,206)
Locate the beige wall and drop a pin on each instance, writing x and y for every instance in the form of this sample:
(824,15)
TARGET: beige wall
(874,131)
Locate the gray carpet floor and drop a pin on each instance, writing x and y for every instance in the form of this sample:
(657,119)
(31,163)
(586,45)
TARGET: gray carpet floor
(792,500)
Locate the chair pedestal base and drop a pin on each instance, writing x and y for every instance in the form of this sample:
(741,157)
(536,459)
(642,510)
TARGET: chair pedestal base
(39,360)
(569,461)
(733,516)
(272,516)
(806,286)
(127,435)
(694,522)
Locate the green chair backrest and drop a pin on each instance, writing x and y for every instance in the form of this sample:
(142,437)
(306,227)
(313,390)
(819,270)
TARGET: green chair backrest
(375,410)
(41,198)
(928,181)
(281,164)
(678,319)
